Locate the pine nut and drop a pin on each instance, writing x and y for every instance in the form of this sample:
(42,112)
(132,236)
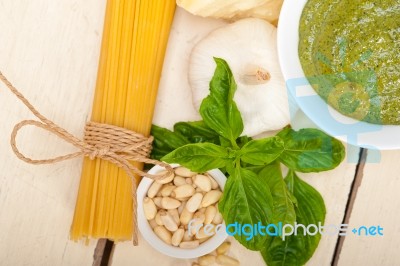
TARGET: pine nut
(214,184)
(177,237)
(226,260)
(189,181)
(180,208)
(223,248)
(206,260)
(183,191)
(168,221)
(163,234)
(158,219)
(179,181)
(187,236)
(153,223)
(166,190)
(153,190)
(186,216)
(189,244)
(217,219)
(202,182)
(210,213)
(170,203)
(183,171)
(211,197)
(167,179)
(149,208)
(157,201)
(175,215)
(194,202)
(204,239)
(206,231)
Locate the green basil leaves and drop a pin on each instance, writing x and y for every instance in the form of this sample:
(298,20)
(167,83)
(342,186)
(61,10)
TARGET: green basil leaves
(196,132)
(296,250)
(310,150)
(218,109)
(165,141)
(262,151)
(199,157)
(246,201)
(255,192)
(283,200)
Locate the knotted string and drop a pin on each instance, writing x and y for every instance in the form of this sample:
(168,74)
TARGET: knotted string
(117,145)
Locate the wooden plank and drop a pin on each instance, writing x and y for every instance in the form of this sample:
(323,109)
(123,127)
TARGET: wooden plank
(350,203)
(49,50)
(334,186)
(376,204)
(174,104)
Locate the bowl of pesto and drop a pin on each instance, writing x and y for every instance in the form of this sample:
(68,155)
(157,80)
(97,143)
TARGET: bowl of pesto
(341,62)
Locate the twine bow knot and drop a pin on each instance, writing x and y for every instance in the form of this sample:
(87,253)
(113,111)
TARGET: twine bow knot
(115,144)
(100,151)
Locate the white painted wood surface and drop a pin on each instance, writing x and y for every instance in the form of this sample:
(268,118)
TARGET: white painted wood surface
(377,203)
(49,50)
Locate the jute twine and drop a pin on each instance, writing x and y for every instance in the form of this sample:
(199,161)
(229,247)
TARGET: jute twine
(117,145)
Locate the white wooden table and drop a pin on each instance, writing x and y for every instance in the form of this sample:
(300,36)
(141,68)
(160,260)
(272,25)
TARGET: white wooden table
(50,49)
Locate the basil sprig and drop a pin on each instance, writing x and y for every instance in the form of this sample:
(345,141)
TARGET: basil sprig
(256,191)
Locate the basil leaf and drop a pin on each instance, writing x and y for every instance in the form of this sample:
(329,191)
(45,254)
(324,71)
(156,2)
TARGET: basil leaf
(262,151)
(243,140)
(165,141)
(196,132)
(297,249)
(246,201)
(282,198)
(224,142)
(254,168)
(199,157)
(218,109)
(157,154)
(310,150)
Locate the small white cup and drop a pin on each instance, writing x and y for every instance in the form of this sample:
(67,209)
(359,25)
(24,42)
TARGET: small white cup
(149,235)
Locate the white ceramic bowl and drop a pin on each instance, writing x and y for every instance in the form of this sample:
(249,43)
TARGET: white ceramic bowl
(148,234)
(352,131)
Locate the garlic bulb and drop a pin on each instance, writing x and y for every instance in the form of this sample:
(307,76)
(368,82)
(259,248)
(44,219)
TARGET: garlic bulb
(234,9)
(249,47)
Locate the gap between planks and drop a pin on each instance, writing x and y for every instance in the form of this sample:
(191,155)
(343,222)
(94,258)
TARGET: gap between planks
(350,202)
(103,253)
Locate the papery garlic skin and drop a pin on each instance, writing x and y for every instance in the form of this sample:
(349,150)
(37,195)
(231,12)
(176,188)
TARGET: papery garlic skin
(249,47)
(234,9)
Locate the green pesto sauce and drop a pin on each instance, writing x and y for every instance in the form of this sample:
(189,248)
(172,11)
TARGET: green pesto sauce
(350,53)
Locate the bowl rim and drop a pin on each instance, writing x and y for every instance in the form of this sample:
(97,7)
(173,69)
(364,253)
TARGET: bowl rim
(151,238)
(349,130)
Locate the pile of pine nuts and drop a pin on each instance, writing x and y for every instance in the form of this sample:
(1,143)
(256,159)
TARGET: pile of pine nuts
(183,197)
(218,256)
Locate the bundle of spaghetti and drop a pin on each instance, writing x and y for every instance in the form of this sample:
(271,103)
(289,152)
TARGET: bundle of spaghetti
(134,41)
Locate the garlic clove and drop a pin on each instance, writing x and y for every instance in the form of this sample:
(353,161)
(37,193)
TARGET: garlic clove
(249,46)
